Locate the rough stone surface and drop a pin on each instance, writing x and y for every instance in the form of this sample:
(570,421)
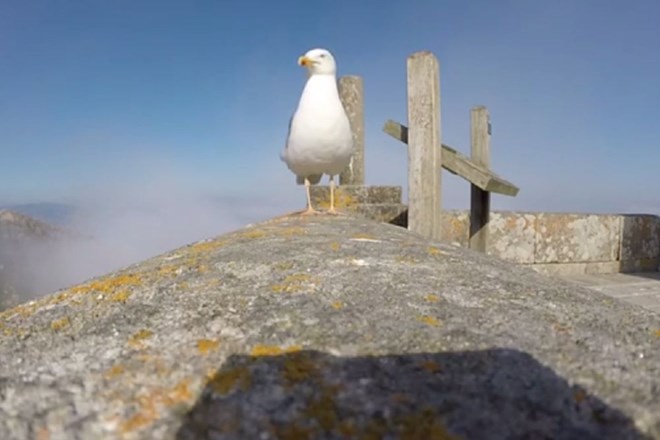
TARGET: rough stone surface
(327,328)
(513,236)
(563,238)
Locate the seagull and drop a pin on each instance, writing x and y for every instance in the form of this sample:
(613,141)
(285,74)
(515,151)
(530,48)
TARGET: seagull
(319,140)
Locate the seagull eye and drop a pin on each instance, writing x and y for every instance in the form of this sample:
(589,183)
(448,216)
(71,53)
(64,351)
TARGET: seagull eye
(322,55)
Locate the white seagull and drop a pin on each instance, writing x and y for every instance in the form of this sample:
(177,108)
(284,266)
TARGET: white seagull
(320,140)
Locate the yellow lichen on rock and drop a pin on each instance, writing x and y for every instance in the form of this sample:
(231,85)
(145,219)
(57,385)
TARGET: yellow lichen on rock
(252,233)
(362,236)
(337,305)
(432,298)
(429,320)
(114,371)
(294,283)
(120,296)
(59,324)
(150,404)
(205,346)
(108,285)
(137,339)
(206,246)
(432,250)
(273,350)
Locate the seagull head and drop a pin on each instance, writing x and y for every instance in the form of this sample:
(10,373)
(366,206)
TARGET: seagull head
(318,61)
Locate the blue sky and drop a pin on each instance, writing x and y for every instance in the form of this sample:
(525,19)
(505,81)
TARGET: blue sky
(111,98)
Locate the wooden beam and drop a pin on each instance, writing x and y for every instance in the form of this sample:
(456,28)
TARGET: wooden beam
(351,93)
(479,199)
(424,156)
(458,164)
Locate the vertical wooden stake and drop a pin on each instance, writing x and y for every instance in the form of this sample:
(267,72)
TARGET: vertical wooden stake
(479,199)
(351,92)
(424,152)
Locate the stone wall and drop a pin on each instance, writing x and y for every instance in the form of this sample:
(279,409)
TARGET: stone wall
(563,243)
(557,243)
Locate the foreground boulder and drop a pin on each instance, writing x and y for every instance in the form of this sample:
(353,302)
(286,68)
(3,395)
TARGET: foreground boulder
(328,327)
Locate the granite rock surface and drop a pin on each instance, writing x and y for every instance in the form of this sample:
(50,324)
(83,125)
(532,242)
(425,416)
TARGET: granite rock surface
(328,328)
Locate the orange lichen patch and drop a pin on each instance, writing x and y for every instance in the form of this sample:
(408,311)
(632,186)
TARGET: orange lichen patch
(293,283)
(120,296)
(226,380)
(149,405)
(202,268)
(429,320)
(430,366)
(59,324)
(23,310)
(205,346)
(293,231)
(169,270)
(252,233)
(114,371)
(109,285)
(561,328)
(206,246)
(432,298)
(273,350)
(362,236)
(337,305)
(335,246)
(137,339)
(657,333)
(579,395)
(432,250)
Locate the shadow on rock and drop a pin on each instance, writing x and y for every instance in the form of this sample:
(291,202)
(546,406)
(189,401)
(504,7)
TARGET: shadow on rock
(492,394)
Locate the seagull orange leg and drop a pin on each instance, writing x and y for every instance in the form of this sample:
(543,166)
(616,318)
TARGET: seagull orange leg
(310,210)
(332,209)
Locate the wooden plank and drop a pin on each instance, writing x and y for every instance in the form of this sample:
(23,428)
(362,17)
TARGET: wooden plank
(458,164)
(479,199)
(351,93)
(424,156)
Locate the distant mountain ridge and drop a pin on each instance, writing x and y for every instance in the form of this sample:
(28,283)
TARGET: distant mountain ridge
(57,214)
(20,237)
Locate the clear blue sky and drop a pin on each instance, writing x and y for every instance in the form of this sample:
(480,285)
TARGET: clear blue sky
(127,94)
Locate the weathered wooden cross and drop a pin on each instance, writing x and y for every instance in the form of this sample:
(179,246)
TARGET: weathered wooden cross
(426,153)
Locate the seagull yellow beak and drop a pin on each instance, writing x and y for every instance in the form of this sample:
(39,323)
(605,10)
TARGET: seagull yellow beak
(304,61)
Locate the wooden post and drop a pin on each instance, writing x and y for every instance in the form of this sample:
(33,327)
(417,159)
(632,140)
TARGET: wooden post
(424,152)
(351,93)
(479,199)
